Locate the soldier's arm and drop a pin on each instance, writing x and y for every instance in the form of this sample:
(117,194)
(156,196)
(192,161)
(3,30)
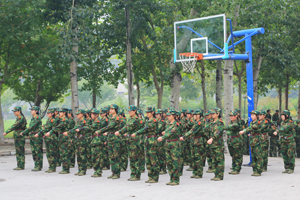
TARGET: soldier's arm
(286,128)
(218,132)
(16,125)
(129,127)
(31,127)
(193,130)
(170,131)
(111,124)
(62,125)
(146,129)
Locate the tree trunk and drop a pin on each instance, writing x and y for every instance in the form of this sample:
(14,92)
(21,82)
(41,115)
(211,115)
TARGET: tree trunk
(94,97)
(1,119)
(219,84)
(38,98)
(280,99)
(255,77)
(138,95)
(74,83)
(128,58)
(159,98)
(287,92)
(228,89)
(298,113)
(202,74)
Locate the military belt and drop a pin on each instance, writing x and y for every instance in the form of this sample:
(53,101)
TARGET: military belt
(197,137)
(93,136)
(19,129)
(34,132)
(111,132)
(255,134)
(78,136)
(172,140)
(265,133)
(150,136)
(233,136)
(287,137)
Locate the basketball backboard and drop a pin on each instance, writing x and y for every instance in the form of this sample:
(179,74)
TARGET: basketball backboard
(205,35)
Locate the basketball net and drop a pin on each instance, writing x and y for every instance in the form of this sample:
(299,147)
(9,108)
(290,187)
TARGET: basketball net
(189,61)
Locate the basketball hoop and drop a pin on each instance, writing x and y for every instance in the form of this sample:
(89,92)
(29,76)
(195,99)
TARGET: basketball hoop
(189,60)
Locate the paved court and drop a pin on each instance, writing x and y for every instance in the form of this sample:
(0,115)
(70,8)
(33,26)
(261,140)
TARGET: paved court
(40,185)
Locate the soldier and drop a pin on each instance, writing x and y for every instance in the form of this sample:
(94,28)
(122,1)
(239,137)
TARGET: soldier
(123,148)
(104,121)
(187,124)
(275,118)
(274,140)
(113,141)
(172,148)
(161,150)
(265,125)
(151,146)
(268,115)
(244,138)
(287,141)
(19,140)
(209,120)
(89,147)
(215,139)
(235,143)
(73,148)
(142,141)
(297,138)
(36,143)
(134,145)
(57,150)
(255,143)
(64,141)
(197,133)
(51,150)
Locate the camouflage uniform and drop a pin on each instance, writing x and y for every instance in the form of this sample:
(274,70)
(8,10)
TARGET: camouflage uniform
(287,142)
(217,146)
(19,140)
(161,149)
(134,146)
(89,147)
(235,144)
(124,146)
(197,134)
(207,146)
(113,143)
(73,148)
(104,122)
(57,148)
(81,141)
(187,144)
(264,129)
(64,141)
(172,149)
(142,144)
(50,142)
(151,147)
(255,144)
(297,138)
(36,143)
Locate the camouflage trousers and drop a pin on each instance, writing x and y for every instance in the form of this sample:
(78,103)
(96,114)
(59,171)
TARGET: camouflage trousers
(106,157)
(124,154)
(20,148)
(114,156)
(207,155)
(257,160)
(51,151)
(198,159)
(162,156)
(288,153)
(218,160)
(297,140)
(57,151)
(81,153)
(192,159)
(246,144)
(152,163)
(236,152)
(186,151)
(142,155)
(72,152)
(36,145)
(97,158)
(134,149)
(64,148)
(172,150)
(274,144)
(89,154)
(265,147)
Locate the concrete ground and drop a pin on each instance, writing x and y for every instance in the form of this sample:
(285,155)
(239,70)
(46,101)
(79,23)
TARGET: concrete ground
(40,185)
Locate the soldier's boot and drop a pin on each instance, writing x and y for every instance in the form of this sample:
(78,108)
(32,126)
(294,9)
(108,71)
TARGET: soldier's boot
(213,178)
(255,174)
(105,168)
(197,177)
(264,170)
(234,172)
(123,170)
(36,169)
(18,168)
(135,179)
(64,172)
(285,171)
(110,176)
(217,179)
(51,171)
(76,174)
(115,177)
(168,183)
(290,171)
(81,173)
(193,176)
(231,168)
(210,170)
(148,181)
(162,172)
(152,181)
(189,169)
(96,175)
(173,184)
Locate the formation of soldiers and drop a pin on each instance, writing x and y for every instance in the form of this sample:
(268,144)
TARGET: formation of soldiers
(162,140)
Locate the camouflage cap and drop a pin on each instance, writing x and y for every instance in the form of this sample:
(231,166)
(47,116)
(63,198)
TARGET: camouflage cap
(297,121)
(139,112)
(70,111)
(198,112)
(87,111)
(150,109)
(121,111)
(183,110)
(159,111)
(218,110)
(262,112)
(277,110)
(178,113)
(80,111)
(63,110)
(132,107)
(256,112)
(55,109)
(285,112)
(115,106)
(207,113)
(189,111)
(17,108)
(103,110)
(35,108)
(237,110)
(95,111)
(233,113)
(50,110)
(171,112)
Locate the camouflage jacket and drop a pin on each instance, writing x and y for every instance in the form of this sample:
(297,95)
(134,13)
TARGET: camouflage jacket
(141,123)
(206,129)
(172,132)
(275,118)
(216,130)
(96,139)
(232,130)
(71,123)
(131,126)
(241,124)
(81,137)
(197,129)
(286,130)
(61,127)
(123,122)
(89,121)
(268,116)
(51,122)
(254,130)
(112,126)
(297,131)
(18,126)
(149,129)
(264,129)
(161,126)
(34,127)
(183,121)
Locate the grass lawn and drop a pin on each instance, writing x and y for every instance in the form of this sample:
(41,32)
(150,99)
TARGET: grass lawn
(8,123)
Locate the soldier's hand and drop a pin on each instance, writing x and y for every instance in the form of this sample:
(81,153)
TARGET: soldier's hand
(77,130)
(209,141)
(117,133)
(47,134)
(275,133)
(159,139)
(105,143)
(163,133)
(241,132)
(21,134)
(36,135)
(181,138)
(96,132)
(133,135)
(65,134)
(105,134)
(4,134)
